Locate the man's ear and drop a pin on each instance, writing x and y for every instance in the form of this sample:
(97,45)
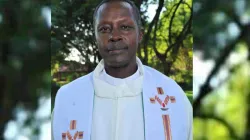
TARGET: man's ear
(141,33)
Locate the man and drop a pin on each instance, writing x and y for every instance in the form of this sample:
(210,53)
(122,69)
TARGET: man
(121,99)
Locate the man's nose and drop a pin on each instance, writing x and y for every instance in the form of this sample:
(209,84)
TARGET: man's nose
(115,36)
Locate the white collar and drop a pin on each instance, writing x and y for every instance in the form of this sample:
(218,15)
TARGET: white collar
(111,87)
(118,81)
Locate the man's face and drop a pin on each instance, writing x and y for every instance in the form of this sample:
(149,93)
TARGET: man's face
(117,33)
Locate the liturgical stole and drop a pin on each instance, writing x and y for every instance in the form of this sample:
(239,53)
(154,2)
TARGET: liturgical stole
(167,111)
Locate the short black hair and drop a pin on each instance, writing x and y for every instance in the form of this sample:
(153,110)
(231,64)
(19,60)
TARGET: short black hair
(135,9)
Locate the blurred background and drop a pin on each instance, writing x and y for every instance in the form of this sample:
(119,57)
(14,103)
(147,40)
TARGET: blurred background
(167,43)
(25,80)
(221,60)
(221,30)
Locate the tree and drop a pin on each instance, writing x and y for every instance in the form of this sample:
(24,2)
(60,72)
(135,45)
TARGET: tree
(219,33)
(25,57)
(167,39)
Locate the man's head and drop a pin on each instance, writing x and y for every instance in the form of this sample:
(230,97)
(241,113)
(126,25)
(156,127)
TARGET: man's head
(136,11)
(118,32)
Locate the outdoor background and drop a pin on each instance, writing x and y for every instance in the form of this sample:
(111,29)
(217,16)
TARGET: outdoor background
(221,30)
(167,43)
(25,103)
(221,60)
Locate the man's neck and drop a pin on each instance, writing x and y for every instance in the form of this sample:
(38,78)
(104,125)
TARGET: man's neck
(122,72)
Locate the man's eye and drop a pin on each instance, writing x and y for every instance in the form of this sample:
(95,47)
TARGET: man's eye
(124,27)
(104,29)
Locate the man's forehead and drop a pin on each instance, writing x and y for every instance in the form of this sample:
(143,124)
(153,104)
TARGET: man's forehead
(114,5)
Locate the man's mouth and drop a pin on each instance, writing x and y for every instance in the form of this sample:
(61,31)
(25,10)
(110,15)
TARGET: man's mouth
(116,51)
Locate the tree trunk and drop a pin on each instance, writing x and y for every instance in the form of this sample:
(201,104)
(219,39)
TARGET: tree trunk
(167,67)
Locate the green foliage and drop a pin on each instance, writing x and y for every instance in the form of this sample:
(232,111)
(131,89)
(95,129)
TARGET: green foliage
(221,35)
(72,27)
(189,95)
(170,47)
(209,130)
(25,57)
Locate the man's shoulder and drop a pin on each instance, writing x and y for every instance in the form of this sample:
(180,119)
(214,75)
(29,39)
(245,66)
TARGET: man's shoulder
(153,71)
(162,79)
(81,82)
(158,75)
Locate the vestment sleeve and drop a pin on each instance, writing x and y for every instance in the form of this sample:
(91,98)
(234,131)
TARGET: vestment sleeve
(52,117)
(190,121)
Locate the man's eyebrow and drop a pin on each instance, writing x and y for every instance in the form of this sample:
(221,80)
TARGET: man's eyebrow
(127,20)
(102,23)
(124,19)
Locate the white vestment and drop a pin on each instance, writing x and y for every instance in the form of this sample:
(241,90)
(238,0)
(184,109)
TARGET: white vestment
(106,110)
(117,106)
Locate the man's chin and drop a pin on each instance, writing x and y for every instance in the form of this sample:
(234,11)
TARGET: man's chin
(117,63)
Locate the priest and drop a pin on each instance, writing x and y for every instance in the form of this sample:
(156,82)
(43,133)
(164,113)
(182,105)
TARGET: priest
(122,99)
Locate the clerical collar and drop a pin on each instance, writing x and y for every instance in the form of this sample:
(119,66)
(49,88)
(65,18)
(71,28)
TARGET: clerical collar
(101,74)
(107,86)
(118,81)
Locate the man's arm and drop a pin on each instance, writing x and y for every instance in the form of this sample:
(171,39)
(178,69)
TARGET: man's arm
(52,117)
(190,119)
